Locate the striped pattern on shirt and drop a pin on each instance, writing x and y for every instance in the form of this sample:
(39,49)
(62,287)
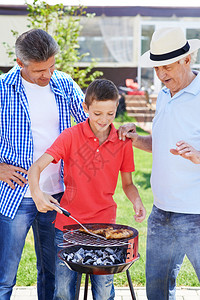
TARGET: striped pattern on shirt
(16,143)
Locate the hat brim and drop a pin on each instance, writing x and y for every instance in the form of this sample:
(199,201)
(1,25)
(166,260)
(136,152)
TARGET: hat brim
(146,62)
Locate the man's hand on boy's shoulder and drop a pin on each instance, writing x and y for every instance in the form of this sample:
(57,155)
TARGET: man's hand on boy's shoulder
(127,131)
(140,212)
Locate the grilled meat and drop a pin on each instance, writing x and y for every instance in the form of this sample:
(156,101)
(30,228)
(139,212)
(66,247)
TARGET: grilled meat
(110,233)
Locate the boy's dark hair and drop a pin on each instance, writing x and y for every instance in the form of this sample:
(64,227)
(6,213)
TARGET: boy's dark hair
(35,45)
(101,90)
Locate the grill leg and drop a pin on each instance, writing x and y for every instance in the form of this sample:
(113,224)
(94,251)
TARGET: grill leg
(78,284)
(130,285)
(86,287)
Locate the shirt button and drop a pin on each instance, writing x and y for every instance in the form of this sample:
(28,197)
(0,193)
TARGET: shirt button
(97,150)
(95,140)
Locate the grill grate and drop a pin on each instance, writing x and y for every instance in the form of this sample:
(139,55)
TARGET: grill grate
(79,238)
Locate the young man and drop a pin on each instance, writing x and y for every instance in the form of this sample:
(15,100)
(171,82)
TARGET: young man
(174,223)
(36,104)
(93,156)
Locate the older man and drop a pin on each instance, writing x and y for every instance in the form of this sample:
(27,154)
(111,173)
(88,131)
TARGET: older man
(174,223)
(36,104)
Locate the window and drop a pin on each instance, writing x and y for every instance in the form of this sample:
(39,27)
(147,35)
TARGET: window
(107,39)
(147,31)
(91,41)
(147,74)
(193,33)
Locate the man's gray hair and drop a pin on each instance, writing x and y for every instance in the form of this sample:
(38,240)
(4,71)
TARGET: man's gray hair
(193,58)
(35,45)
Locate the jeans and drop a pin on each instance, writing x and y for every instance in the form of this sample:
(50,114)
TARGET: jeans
(170,237)
(12,238)
(102,285)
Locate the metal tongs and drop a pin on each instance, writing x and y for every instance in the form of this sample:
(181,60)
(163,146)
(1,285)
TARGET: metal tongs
(68,214)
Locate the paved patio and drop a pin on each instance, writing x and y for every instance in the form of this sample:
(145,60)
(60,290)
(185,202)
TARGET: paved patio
(29,293)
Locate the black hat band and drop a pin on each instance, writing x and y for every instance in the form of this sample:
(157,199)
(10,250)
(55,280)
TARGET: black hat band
(171,54)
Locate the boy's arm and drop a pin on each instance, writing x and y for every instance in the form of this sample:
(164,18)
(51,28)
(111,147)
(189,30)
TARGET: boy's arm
(132,193)
(43,202)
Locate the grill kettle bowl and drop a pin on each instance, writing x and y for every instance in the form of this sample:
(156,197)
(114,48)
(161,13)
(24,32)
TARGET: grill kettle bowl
(130,248)
(95,270)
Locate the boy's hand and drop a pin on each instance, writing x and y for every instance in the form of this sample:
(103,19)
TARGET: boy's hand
(45,202)
(140,212)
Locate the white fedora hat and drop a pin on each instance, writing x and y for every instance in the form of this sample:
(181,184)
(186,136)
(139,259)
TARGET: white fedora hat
(168,45)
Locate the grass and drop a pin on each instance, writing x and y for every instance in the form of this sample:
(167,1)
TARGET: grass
(27,273)
(141,177)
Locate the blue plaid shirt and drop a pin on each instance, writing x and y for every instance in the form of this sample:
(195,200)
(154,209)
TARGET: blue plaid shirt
(16,142)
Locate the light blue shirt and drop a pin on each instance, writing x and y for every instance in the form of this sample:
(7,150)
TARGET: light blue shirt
(16,143)
(176,181)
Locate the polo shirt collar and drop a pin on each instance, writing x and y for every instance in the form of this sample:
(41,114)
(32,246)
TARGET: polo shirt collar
(192,88)
(88,132)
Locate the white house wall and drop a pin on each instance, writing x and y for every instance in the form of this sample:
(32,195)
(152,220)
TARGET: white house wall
(8,23)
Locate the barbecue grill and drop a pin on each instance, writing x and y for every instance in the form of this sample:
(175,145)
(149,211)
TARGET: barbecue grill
(76,241)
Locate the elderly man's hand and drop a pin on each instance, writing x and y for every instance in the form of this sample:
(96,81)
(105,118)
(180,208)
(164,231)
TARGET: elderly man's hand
(186,151)
(127,131)
(10,174)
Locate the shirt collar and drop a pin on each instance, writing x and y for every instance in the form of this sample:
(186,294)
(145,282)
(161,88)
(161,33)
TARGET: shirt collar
(88,132)
(192,88)
(54,84)
(13,77)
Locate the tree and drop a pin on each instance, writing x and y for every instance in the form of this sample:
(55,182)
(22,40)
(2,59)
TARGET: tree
(63,23)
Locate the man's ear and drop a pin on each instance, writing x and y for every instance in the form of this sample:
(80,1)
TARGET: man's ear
(20,63)
(85,107)
(188,59)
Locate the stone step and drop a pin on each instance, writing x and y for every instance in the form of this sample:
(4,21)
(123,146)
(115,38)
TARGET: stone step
(141,117)
(136,103)
(135,97)
(140,110)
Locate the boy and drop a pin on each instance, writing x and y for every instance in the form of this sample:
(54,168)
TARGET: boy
(93,156)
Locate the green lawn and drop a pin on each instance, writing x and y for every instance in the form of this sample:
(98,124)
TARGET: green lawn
(141,177)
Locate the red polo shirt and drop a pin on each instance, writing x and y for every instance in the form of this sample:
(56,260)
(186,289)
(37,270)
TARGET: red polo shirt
(90,173)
